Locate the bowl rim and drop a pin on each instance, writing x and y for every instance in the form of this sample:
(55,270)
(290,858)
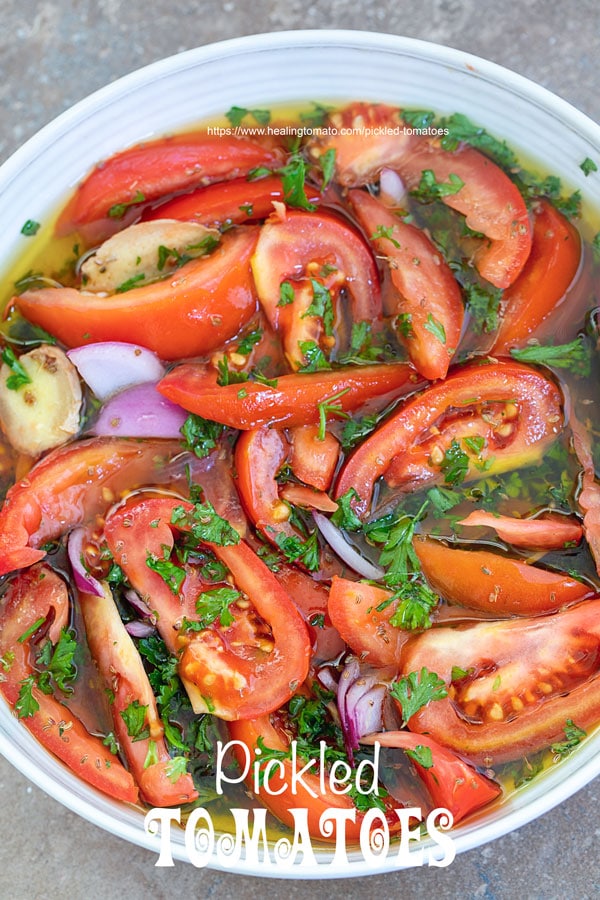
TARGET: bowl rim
(581,124)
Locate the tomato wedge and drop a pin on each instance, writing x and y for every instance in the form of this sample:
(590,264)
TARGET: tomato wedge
(293,400)
(304,249)
(283,794)
(206,302)
(548,532)
(70,486)
(148,171)
(492,582)
(311,598)
(242,665)
(427,302)
(535,404)
(313,457)
(227,203)
(451,782)
(589,496)
(511,684)
(124,675)
(549,271)
(487,198)
(361,613)
(39,597)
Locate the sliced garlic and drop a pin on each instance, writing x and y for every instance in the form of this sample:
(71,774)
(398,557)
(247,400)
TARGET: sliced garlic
(43,413)
(143,253)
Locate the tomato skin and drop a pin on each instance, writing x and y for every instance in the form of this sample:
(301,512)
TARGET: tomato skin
(40,593)
(545,278)
(158,168)
(259,455)
(293,401)
(123,672)
(452,783)
(248,732)
(296,248)
(425,288)
(492,582)
(353,610)
(311,598)
(523,679)
(237,201)
(488,198)
(206,302)
(242,681)
(540,419)
(548,532)
(70,486)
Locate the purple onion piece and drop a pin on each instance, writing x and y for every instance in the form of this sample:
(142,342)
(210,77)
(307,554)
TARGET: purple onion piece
(110,366)
(139,629)
(368,712)
(140,411)
(338,543)
(83,580)
(347,679)
(140,606)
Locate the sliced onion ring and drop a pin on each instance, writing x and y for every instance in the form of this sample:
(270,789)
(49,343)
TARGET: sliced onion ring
(83,580)
(142,412)
(338,543)
(110,366)
(392,190)
(139,629)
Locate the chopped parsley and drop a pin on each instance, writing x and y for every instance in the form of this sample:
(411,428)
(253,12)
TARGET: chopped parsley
(327,163)
(330,406)
(30,228)
(134,717)
(429,189)
(422,755)
(286,293)
(314,358)
(172,575)
(321,306)
(119,209)
(205,524)
(237,114)
(59,662)
(575,357)
(26,705)
(455,464)
(297,550)
(588,166)
(19,376)
(386,232)
(483,305)
(435,328)
(344,516)
(201,436)
(416,602)
(417,690)
(214,604)
(573,736)
(293,177)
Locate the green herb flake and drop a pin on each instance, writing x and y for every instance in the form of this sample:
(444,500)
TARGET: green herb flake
(455,464)
(422,755)
(385,232)
(19,376)
(31,630)
(176,768)
(172,575)
(130,284)
(575,356)
(588,166)
(314,358)
(330,406)
(344,516)
(416,603)
(321,306)
(573,734)
(134,717)
(119,209)
(435,328)
(237,114)
(214,604)
(201,436)
(429,189)
(26,705)
(293,177)
(417,690)
(297,550)
(327,163)
(483,305)
(30,228)
(286,293)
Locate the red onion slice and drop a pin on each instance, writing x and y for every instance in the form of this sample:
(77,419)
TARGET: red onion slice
(142,412)
(110,366)
(392,190)
(139,629)
(83,580)
(338,543)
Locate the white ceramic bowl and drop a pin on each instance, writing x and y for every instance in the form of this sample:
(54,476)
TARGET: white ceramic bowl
(253,72)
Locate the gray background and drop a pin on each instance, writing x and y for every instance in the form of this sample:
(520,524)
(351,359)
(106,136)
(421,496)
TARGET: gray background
(53,54)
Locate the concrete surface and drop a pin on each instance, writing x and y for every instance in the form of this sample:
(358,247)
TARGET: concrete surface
(54,53)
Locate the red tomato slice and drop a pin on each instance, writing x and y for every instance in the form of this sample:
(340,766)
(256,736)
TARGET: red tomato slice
(230,202)
(548,532)
(538,419)
(157,168)
(311,598)
(313,460)
(124,675)
(488,198)
(549,271)
(354,610)
(293,400)
(512,684)
(40,594)
(451,782)
(206,302)
(427,299)
(280,797)
(482,579)
(589,496)
(308,498)
(305,246)
(70,486)
(242,670)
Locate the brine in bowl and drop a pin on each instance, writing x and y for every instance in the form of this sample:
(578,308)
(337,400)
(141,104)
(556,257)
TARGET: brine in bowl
(326,334)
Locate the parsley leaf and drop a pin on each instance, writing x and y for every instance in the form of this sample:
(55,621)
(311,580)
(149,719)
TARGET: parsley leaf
(286,293)
(30,228)
(200,436)
(460,128)
(416,602)
(386,232)
(356,429)
(455,464)
(321,306)
(134,717)
(575,356)
(19,376)
(483,305)
(26,704)
(171,574)
(435,328)
(573,734)
(429,189)
(119,209)
(293,176)
(237,114)
(416,690)
(294,549)
(214,604)
(330,406)
(344,516)
(422,755)
(314,358)
(59,660)
(205,524)
(588,166)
